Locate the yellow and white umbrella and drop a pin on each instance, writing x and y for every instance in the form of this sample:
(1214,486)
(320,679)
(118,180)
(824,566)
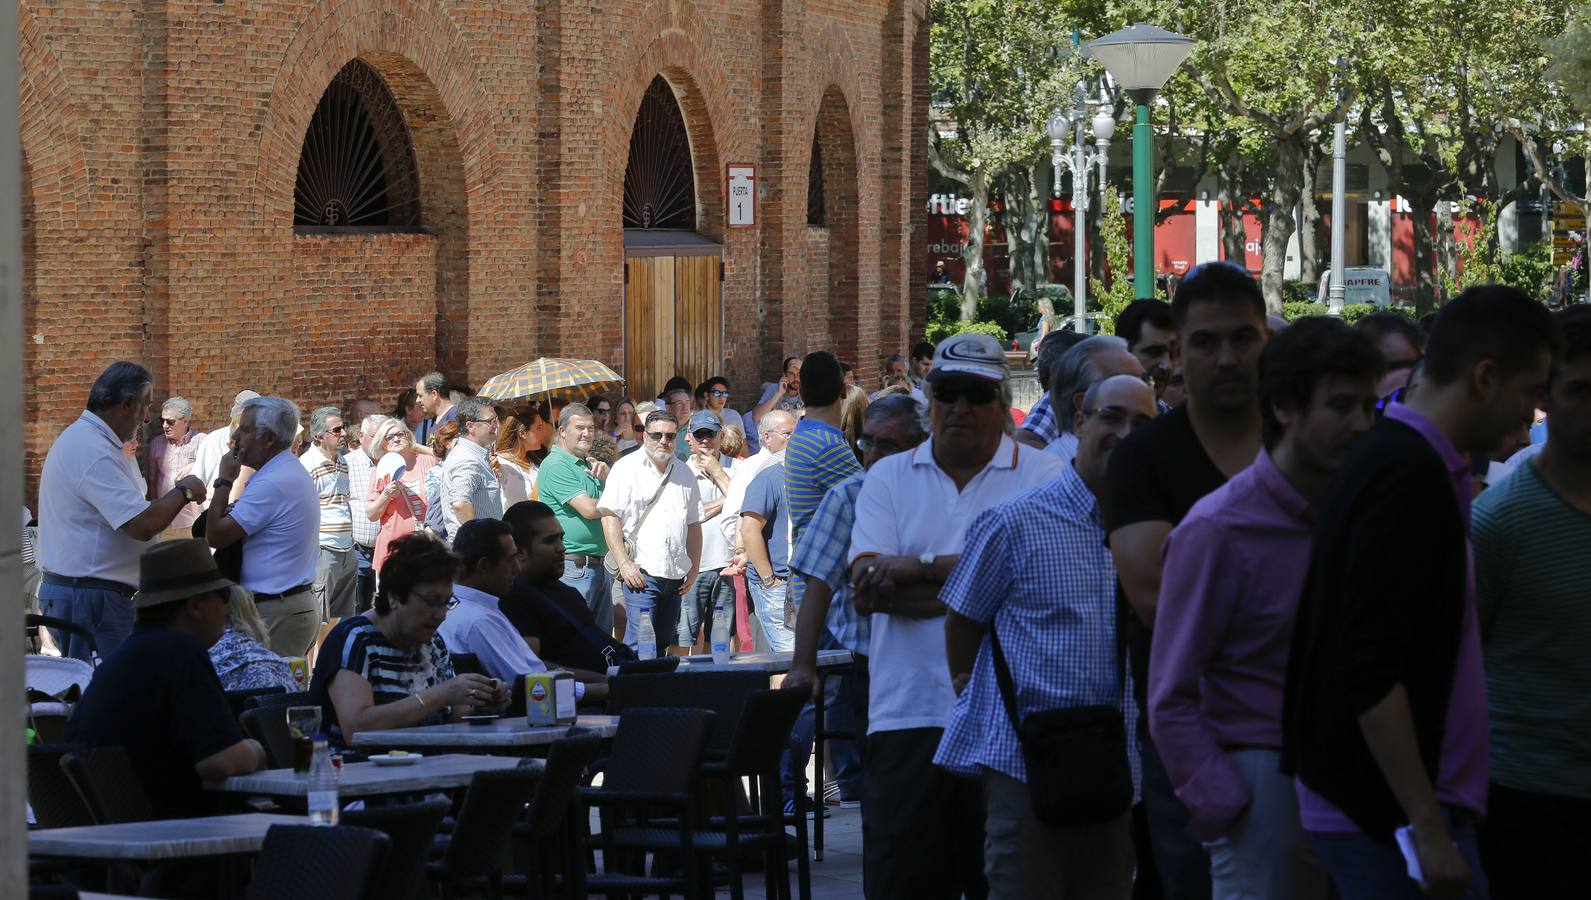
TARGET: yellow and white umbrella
(550,378)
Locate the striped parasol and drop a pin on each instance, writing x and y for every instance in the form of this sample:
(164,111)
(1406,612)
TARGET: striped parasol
(552,379)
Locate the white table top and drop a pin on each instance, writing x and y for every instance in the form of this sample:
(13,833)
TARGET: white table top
(504,734)
(772,663)
(160,840)
(366,779)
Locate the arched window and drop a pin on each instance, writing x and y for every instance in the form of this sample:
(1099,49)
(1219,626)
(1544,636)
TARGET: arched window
(816,214)
(659,184)
(357,169)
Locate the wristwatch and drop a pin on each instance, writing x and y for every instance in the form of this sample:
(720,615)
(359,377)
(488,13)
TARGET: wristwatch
(926,560)
(220,483)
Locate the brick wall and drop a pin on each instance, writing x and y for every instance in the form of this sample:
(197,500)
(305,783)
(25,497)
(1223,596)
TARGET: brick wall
(161,143)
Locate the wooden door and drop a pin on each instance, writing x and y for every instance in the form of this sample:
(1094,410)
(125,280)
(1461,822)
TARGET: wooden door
(673,321)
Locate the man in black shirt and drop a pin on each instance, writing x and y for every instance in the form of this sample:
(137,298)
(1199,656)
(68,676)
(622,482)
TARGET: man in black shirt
(1155,477)
(553,617)
(158,696)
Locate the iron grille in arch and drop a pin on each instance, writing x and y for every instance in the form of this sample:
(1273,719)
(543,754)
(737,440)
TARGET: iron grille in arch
(357,167)
(816,211)
(659,184)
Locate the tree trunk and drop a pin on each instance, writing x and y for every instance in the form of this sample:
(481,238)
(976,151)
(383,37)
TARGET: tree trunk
(1446,248)
(1287,178)
(972,254)
(1026,219)
(1229,214)
(1309,218)
(1421,207)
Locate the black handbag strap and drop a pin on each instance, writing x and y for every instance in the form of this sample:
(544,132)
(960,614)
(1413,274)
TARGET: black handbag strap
(1002,674)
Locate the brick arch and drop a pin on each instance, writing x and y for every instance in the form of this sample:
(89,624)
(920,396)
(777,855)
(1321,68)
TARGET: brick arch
(677,45)
(426,63)
(52,145)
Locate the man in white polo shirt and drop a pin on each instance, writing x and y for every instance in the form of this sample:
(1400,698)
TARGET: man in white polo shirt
(923,828)
(469,487)
(337,572)
(278,520)
(94,520)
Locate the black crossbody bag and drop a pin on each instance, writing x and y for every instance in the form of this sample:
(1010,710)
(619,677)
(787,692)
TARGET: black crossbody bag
(1077,765)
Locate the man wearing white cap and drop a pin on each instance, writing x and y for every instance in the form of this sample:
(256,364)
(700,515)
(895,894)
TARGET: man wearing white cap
(922,828)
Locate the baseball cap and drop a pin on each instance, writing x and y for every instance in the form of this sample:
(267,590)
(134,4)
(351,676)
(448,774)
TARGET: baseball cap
(704,418)
(979,355)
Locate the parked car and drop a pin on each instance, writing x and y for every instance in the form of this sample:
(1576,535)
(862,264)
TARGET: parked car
(1363,284)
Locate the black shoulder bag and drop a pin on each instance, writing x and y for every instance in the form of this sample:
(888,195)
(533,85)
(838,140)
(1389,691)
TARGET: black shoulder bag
(1076,757)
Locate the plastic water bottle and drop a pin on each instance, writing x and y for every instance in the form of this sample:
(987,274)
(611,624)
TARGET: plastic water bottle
(720,635)
(646,638)
(323,806)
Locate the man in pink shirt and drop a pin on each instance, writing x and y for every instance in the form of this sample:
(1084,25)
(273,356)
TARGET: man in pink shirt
(171,455)
(1234,568)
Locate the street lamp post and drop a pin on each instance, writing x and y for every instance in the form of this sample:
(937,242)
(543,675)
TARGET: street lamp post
(1142,59)
(1063,128)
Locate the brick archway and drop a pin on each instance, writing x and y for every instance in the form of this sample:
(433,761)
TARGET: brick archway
(831,246)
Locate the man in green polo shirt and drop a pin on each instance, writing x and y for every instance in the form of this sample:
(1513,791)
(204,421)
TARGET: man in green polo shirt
(570,482)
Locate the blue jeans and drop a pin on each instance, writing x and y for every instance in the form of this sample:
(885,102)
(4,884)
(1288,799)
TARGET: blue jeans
(768,604)
(1266,853)
(696,608)
(365,592)
(594,584)
(837,716)
(1183,863)
(108,615)
(660,597)
(1367,869)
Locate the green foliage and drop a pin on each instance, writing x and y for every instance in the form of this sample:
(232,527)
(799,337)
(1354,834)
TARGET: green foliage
(1111,296)
(938,331)
(1299,291)
(1353,312)
(1484,262)
(1298,309)
(1569,59)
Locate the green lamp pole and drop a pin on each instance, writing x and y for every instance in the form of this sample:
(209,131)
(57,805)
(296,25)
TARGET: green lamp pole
(1141,58)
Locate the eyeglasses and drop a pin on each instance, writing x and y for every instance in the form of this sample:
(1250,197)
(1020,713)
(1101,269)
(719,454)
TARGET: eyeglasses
(396,436)
(662,437)
(166,421)
(718,393)
(870,445)
(338,430)
(604,410)
(637,425)
(1116,416)
(491,421)
(976,393)
(435,601)
(704,434)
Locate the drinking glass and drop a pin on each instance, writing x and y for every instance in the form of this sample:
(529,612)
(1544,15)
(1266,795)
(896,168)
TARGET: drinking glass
(303,723)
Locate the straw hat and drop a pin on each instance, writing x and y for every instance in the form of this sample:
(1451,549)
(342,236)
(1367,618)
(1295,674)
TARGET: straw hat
(176,570)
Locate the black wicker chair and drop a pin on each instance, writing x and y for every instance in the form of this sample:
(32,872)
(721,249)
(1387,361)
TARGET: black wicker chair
(478,847)
(268,725)
(32,622)
(285,699)
(240,698)
(56,801)
(722,691)
(109,784)
(309,862)
(411,828)
(653,768)
(551,840)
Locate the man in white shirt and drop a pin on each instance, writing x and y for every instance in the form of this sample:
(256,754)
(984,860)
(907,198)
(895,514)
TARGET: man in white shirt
(337,571)
(361,472)
(488,561)
(218,443)
(924,828)
(652,498)
(94,520)
(711,469)
(1081,367)
(469,487)
(278,520)
(774,433)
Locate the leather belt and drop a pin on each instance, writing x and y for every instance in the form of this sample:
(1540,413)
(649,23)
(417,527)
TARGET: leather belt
(96,584)
(261,598)
(581,559)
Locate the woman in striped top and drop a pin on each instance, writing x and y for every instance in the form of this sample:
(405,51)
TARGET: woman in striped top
(388,668)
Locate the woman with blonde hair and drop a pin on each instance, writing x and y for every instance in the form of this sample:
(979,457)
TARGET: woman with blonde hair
(241,658)
(522,444)
(398,503)
(852,411)
(625,420)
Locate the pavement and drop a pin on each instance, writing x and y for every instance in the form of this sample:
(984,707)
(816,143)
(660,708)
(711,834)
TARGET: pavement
(839,875)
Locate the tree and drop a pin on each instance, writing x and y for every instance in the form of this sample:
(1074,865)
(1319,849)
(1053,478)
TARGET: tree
(1563,126)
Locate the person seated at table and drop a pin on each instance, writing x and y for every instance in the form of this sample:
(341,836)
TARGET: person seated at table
(158,697)
(488,561)
(240,657)
(388,667)
(551,616)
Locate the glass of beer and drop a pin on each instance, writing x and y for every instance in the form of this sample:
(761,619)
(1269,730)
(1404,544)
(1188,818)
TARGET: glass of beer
(303,723)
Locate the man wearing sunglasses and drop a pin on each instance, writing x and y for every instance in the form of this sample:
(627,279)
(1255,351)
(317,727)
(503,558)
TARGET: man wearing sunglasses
(1220,653)
(337,572)
(171,456)
(651,500)
(469,487)
(924,827)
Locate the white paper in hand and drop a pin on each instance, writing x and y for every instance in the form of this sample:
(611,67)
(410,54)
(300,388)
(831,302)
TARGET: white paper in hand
(391,467)
(1405,837)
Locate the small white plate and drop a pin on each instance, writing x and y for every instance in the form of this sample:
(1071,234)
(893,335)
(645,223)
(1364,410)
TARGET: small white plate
(387,759)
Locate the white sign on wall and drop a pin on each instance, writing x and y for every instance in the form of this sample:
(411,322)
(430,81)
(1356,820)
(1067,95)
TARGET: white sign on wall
(741,196)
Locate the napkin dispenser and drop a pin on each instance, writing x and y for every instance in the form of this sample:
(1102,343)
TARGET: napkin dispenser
(550,698)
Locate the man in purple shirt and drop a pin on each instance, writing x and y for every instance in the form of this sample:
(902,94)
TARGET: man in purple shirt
(1384,716)
(1233,570)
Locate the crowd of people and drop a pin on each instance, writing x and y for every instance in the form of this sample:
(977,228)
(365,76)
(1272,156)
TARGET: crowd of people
(1238,609)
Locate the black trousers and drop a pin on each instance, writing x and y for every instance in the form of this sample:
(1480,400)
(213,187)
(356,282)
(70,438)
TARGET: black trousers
(922,828)
(1536,845)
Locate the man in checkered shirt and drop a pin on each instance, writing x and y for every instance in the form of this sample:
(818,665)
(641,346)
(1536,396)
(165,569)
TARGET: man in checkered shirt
(1035,568)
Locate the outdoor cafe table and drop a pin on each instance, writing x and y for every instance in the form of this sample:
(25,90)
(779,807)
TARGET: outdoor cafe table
(159,840)
(772,663)
(366,779)
(513,735)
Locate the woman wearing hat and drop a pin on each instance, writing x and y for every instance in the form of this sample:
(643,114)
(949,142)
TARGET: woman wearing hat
(388,668)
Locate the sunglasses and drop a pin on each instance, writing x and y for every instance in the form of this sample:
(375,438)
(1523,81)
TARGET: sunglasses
(604,410)
(166,421)
(718,393)
(338,430)
(662,437)
(977,393)
(870,445)
(637,425)
(704,434)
